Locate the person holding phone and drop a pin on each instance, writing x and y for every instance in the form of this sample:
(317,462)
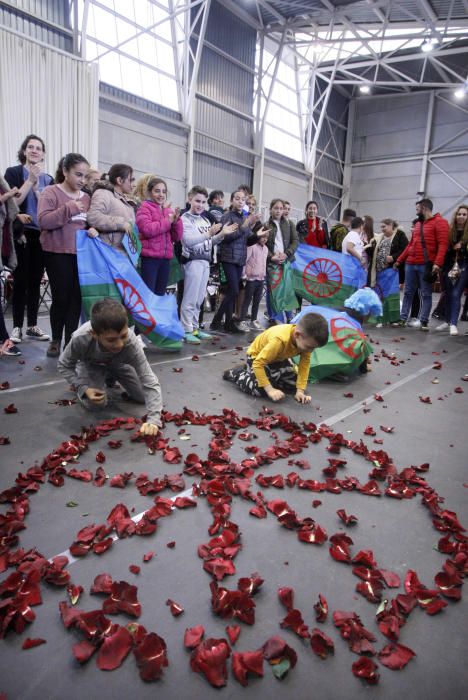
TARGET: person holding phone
(30,179)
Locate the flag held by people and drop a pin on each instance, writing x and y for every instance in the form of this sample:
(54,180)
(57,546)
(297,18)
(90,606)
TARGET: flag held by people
(387,288)
(104,272)
(281,288)
(347,347)
(325,277)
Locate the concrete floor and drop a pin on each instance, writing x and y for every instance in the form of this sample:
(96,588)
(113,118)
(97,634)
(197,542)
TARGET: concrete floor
(400,533)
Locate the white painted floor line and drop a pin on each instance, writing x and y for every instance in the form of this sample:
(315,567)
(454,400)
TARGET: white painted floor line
(173,360)
(135,518)
(358,406)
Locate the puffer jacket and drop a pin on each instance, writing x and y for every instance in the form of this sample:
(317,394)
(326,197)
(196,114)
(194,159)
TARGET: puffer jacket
(290,239)
(157,233)
(109,212)
(233,249)
(436,233)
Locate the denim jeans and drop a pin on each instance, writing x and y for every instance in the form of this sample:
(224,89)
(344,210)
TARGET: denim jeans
(414,281)
(453,295)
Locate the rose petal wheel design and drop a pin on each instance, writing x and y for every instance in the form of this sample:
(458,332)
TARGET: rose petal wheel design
(276,275)
(322,278)
(135,305)
(349,339)
(132,245)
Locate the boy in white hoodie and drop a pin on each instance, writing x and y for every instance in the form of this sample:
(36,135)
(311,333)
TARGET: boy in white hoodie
(197,242)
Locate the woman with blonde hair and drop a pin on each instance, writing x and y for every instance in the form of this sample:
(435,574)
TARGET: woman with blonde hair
(455,269)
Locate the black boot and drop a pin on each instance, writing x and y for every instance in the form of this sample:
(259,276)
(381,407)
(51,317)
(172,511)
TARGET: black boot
(231,327)
(464,316)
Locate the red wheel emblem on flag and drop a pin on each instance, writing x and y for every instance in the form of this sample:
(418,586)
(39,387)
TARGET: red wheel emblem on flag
(135,304)
(276,275)
(349,339)
(322,278)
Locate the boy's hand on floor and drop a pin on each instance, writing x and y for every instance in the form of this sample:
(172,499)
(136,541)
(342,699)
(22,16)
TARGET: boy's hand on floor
(274,394)
(96,396)
(301,397)
(149,429)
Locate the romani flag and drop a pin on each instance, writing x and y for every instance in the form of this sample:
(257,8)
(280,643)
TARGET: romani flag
(104,272)
(281,288)
(387,288)
(347,346)
(325,277)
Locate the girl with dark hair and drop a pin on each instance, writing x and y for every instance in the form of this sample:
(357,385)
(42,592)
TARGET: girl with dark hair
(30,179)
(313,230)
(8,214)
(109,211)
(61,212)
(159,227)
(232,253)
(281,243)
(455,269)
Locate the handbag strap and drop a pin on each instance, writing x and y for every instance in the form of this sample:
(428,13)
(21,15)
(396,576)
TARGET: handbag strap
(423,242)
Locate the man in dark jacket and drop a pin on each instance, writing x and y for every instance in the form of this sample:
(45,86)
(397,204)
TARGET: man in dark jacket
(424,254)
(340,230)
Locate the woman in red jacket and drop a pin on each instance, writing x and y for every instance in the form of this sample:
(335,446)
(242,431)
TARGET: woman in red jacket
(313,230)
(159,227)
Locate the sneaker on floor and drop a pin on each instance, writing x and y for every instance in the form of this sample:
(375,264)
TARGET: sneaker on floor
(379,325)
(233,328)
(424,326)
(442,327)
(202,335)
(37,333)
(16,335)
(256,325)
(414,323)
(244,326)
(217,327)
(399,324)
(453,329)
(191,338)
(54,349)
(230,375)
(9,349)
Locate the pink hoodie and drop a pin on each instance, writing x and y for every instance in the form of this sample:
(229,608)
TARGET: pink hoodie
(157,233)
(255,265)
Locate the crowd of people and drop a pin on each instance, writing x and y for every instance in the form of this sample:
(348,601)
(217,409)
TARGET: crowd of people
(209,239)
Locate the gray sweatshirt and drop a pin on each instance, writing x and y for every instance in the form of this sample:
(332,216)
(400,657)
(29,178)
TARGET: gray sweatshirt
(196,245)
(83,357)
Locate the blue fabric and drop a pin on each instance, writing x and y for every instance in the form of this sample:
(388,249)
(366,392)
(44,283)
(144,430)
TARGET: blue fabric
(413,281)
(31,199)
(328,314)
(453,294)
(100,264)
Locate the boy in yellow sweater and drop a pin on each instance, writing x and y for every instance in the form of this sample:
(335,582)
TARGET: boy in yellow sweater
(268,371)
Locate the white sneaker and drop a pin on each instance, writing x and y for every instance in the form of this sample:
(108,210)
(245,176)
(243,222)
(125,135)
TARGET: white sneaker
(37,333)
(16,335)
(414,323)
(453,329)
(243,325)
(257,325)
(379,325)
(443,327)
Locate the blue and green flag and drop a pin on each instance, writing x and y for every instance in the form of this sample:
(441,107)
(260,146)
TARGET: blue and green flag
(104,272)
(347,346)
(387,288)
(281,288)
(325,277)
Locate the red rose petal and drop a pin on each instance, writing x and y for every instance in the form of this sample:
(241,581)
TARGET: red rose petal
(233,632)
(321,609)
(114,649)
(11,408)
(74,593)
(378,397)
(391,579)
(177,369)
(348,395)
(171,545)
(100,457)
(134,569)
(294,621)
(286,596)
(31,643)
(4,440)
(367,670)
(347,519)
(395,656)
(210,658)
(102,584)
(4,386)
(185,503)
(195,358)
(247,662)
(151,657)
(174,607)
(321,644)
(148,556)
(458,390)
(193,636)
(83,651)
(122,598)
(425,399)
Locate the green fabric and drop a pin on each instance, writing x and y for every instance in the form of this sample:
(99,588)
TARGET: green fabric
(335,300)
(331,358)
(281,288)
(176,272)
(391,309)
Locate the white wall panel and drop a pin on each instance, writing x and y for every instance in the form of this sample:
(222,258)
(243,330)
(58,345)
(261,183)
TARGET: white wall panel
(144,143)
(279,181)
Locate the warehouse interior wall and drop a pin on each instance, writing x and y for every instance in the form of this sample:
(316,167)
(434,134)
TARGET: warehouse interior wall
(405,147)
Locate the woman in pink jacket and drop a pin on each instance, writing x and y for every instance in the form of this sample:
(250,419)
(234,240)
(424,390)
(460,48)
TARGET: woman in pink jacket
(159,227)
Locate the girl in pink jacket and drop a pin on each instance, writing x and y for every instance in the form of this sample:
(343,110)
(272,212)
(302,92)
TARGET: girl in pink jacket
(159,227)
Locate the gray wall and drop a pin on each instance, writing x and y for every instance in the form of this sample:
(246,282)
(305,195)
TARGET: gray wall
(133,132)
(388,154)
(44,20)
